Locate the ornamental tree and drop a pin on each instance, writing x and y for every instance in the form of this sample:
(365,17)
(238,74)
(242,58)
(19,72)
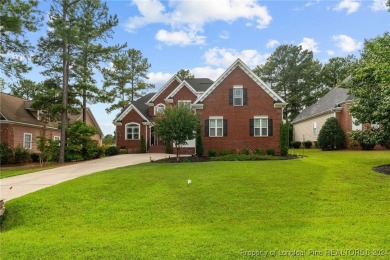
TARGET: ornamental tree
(331,136)
(176,124)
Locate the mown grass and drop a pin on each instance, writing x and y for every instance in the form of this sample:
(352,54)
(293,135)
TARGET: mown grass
(10,171)
(327,200)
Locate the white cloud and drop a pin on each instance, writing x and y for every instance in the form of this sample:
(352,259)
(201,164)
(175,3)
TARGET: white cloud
(224,35)
(331,52)
(222,57)
(309,44)
(272,44)
(346,43)
(207,72)
(158,78)
(379,5)
(181,38)
(191,15)
(350,5)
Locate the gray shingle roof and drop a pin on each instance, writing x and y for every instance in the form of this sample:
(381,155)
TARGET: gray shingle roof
(332,99)
(140,104)
(200,84)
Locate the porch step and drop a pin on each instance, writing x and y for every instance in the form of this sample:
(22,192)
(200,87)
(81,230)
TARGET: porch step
(157,149)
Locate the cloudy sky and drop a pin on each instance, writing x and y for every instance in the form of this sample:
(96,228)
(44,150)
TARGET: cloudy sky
(206,36)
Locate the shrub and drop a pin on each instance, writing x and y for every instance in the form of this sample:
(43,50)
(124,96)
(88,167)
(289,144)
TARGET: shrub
(199,142)
(21,155)
(270,151)
(224,152)
(259,151)
(367,138)
(35,157)
(112,150)
(284,136)
(211,152)
(245,151)
(6,153)
(143,144)
(331,136)
(307,144)
(296,144)
(123,151)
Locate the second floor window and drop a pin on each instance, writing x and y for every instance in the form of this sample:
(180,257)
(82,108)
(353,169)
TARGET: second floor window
(159,109)
(237,97)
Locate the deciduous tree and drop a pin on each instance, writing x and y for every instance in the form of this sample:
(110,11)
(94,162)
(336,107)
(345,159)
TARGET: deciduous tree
(184,74)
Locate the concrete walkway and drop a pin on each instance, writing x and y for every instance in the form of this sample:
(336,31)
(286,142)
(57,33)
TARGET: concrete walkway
(20,185)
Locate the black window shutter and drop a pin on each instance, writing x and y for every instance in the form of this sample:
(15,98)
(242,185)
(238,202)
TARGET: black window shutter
(231,97)
(206,127)
(251,127)
(225,127)
(270,127)
(245,96)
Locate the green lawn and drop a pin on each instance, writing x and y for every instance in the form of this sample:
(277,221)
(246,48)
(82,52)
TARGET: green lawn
(325,201)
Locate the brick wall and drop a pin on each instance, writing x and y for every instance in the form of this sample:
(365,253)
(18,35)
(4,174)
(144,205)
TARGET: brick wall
(132,146)
(7,134)
(238,137)
(184,94)
(163,95)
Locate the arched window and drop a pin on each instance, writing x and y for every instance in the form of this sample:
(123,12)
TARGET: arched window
(132,131)
(159,109)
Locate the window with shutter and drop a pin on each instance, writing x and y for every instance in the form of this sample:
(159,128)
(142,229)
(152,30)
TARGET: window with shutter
(260,126)
(217,127)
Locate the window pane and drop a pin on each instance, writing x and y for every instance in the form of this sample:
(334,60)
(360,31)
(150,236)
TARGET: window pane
(219,131)
(257,131)
(136,136)
(237,101)
(264,131)
(264,122)
(257,122)
(212,122)
(136,130)
(212,131)
(219,123)
(237,92)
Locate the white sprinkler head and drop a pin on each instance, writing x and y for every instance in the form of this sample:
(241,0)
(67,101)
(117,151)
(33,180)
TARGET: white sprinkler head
(189,182)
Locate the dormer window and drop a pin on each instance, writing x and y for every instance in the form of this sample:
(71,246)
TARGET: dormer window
(159,109)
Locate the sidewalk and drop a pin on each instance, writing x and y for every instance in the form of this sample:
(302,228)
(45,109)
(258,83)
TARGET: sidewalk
(20,185)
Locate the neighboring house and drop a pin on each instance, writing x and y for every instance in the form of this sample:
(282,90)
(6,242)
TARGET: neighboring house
(237,111)
(20,124)
(90,120)
(336,103)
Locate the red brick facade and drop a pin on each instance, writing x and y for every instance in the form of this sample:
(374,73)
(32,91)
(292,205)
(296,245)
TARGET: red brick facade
(7,134)
(259,104)
(215,103)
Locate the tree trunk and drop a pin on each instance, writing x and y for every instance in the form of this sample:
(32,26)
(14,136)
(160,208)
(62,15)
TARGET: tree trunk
(84,105)
(65,68)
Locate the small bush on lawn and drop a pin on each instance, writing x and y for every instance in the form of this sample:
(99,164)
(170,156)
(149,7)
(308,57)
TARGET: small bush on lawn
(367,138)
(331,136)
(307,144)
(21,155)
(296,144)
(224,152)
(112,150)
(259,151)
(270,151)
(6,154)
(35,157)
(212,152)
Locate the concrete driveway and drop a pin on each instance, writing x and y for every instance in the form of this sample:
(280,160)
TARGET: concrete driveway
(18,186)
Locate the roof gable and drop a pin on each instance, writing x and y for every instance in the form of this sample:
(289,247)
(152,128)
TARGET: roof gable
(158,93)
(250,73)
(333,99)
(178,88)
(139,106)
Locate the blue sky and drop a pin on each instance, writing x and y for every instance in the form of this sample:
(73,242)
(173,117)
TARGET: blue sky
(206,36)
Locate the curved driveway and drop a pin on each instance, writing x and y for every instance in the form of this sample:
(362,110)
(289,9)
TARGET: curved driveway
(20,185)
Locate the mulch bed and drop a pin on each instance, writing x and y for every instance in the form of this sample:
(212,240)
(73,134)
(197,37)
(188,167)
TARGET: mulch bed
(187,159)
(385,169)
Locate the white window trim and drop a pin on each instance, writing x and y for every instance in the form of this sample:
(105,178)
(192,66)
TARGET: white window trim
(156,108)
(314,128)
(139,131)
(57,138)
(24,141)
(261,127)
(216,128)
(242,95)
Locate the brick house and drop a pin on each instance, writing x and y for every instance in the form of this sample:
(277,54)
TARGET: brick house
(336,103)
(237,111)
(20,124)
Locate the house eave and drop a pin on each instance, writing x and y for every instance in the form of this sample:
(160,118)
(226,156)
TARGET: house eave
(332,110)
(280,105)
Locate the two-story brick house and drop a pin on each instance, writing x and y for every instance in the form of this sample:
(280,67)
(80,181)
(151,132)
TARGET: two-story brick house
(237,111)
